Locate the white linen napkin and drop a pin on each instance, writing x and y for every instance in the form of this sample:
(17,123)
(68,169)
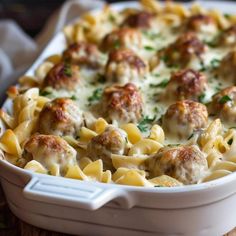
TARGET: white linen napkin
(18,51)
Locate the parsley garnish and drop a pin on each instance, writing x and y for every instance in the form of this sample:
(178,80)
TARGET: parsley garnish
(67,70)
(226,15)
(45,93)
(149,48)
(201,98)
(101,78)
(225,99)
(143,125)
(215,63)
(96,96)
(163,84)
(230,141)
(116,44)
(73,97)
(112,19)
(152,35)
(190,136)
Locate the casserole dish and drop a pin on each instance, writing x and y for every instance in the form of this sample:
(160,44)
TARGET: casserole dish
(76,207)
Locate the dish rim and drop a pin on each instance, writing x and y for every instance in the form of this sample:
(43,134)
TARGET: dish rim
(176,189)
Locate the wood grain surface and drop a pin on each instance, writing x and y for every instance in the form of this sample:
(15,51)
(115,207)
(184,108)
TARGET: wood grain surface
(12,226)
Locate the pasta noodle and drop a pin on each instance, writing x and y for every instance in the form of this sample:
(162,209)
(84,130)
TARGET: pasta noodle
(141,97)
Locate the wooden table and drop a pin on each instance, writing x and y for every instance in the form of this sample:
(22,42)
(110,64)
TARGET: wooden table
(12,226)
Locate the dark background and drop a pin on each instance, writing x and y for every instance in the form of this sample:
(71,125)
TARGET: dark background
(31,15)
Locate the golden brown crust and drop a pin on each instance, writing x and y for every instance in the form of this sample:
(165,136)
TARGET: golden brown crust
(124,66)
(111,141)
(186,116)
(227,67)
(60,117)
(228,36)
(185,163)
(141,19)
(185,48)
(82,53)
(122,38)
(186,84)
(224,104)
(195,22)
(122,103)
(62,76)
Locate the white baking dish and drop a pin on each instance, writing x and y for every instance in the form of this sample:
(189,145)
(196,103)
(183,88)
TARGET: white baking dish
(88,208)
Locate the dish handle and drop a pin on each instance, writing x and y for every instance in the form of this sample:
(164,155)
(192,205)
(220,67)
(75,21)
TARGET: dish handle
(80,194)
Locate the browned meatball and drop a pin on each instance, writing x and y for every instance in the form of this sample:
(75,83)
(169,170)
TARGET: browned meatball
(186,48)
(227,67)
(122,103)
(63,76)
(228,37)
(140,19)
(224,104)
(50,150)
(111,141)
(184,163)
(60,117)
(186,84)
(124,66)
(122,38)
(183,118)
(201,24)
(83,53)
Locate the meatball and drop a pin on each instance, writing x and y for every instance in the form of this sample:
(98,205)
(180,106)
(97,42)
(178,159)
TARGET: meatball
(187,164)
(201,24)
(111,141)
(50,150)
(140,19)
(227,67)
(186,48)
(124,66)
(228,37)
(224,105)
(83,53)
(122,38)
(122,103)
(63,76)
(186,84)
(184,117)
(60,117)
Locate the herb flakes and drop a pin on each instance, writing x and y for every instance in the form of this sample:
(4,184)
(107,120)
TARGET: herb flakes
(225,99)
(163,84)
(96,96)
(145,122)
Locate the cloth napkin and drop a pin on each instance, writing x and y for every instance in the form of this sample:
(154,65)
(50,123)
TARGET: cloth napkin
(18,51)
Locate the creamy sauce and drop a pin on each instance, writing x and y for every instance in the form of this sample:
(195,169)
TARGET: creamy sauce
(153,84)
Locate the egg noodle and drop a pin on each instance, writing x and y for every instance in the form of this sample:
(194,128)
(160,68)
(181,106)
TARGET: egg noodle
(141,97)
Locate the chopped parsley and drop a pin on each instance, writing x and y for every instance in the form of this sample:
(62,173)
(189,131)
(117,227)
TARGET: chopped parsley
(73,97)
(190,136)
(67,70)
(226,15)
(101,78)
(163,84)
(112,18)
(45,93)
(152,35)
(149,48)
(203,66)
(201,98)
(156,75)
(145,122)
(225,99)
(230,141)
(96,96)
(215,63)
(116,44)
